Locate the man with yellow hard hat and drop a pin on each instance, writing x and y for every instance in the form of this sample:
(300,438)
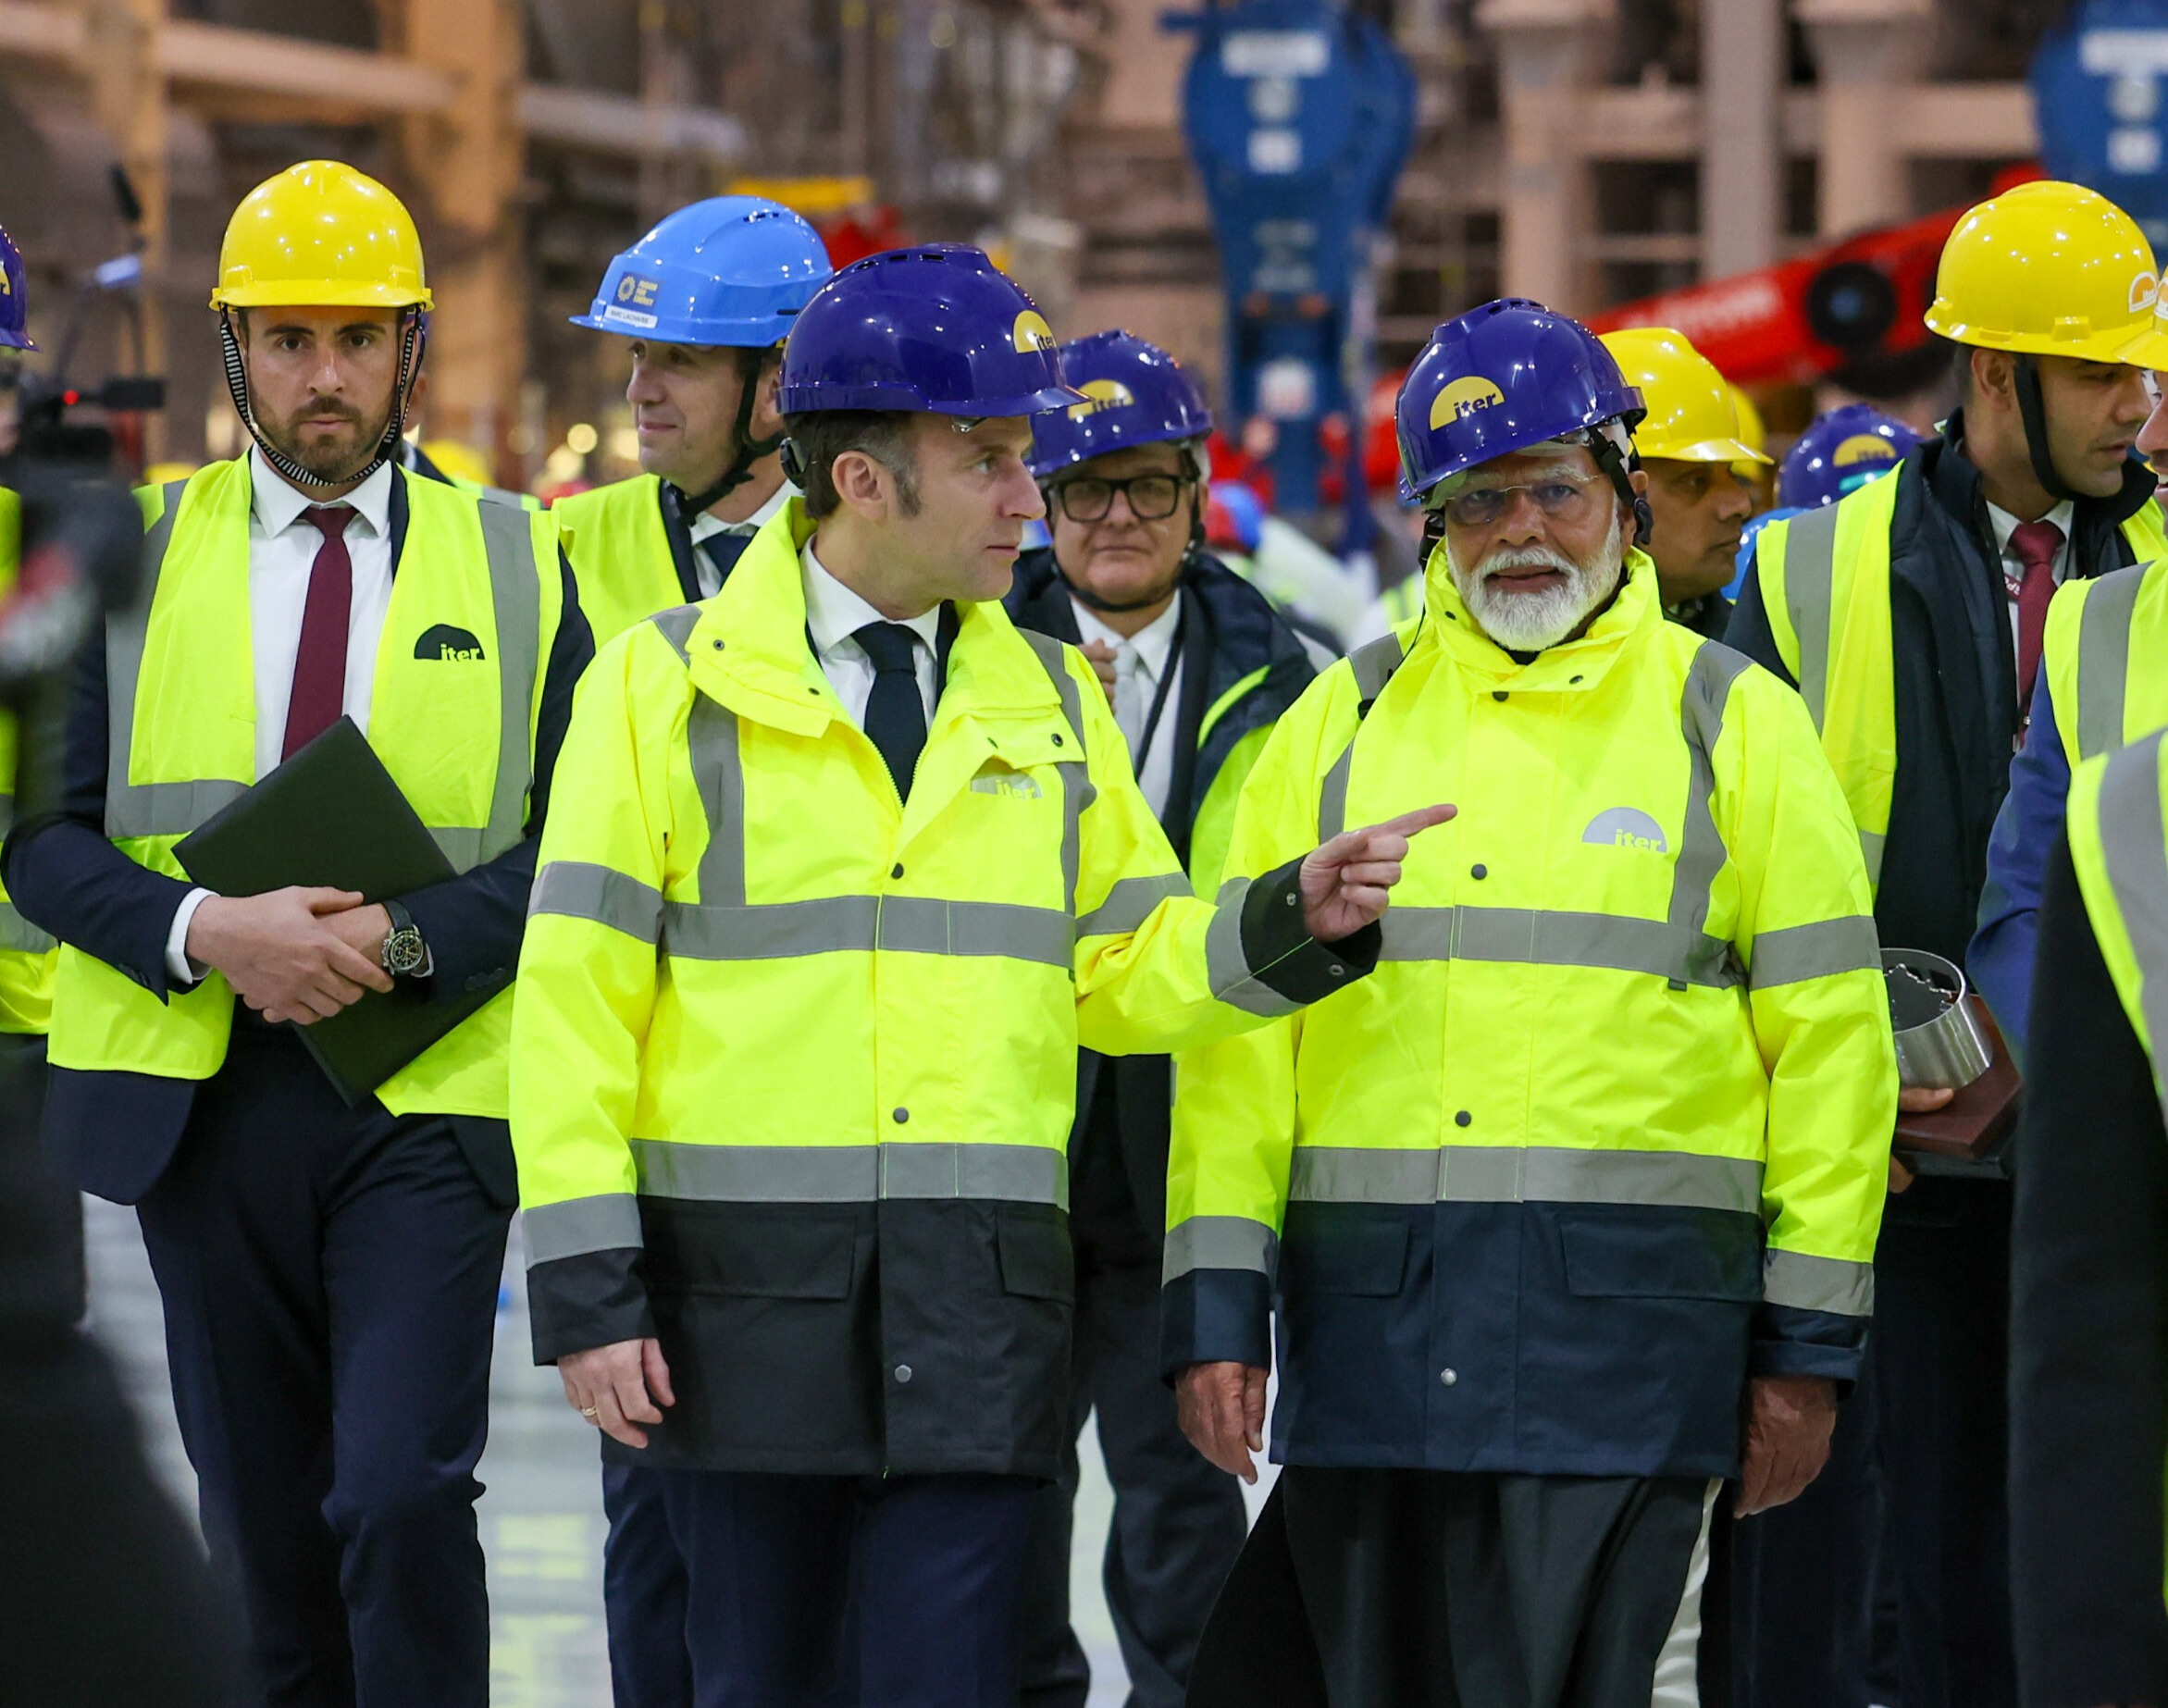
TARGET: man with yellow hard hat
(1692,446)
(1911,613)
(329,1273)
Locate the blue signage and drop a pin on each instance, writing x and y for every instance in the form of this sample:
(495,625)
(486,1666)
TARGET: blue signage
(1299,116)
(2100,87)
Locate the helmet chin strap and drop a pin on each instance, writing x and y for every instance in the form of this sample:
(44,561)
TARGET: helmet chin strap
(412,341)
(750,450)
(2033,409)
(1190,553)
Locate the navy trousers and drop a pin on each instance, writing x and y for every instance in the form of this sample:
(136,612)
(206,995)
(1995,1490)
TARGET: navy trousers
(330,1278)
(850,1592)
(643,1594)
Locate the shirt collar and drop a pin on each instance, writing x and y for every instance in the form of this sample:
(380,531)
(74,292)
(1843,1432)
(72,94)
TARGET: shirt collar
(707,523)
(834,613)
(2005,524)
(279,503)
(1153,642)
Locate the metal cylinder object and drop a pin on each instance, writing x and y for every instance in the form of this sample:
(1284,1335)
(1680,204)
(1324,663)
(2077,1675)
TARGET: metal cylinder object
(1939,1046)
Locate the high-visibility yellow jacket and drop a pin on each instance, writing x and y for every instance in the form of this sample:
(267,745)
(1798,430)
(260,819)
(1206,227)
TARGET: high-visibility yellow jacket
(457,734)
(27,953)
(1609,1127)
(2105,652)
(795,1061)
(619,547)
(1825,587)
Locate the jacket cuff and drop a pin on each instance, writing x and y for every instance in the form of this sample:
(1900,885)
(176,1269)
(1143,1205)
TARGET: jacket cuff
(1791,1341)
(1215,1317)
(1287,959)
(595,1299)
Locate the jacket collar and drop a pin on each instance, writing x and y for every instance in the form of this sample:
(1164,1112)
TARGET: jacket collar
(1955,481)
(1575,666)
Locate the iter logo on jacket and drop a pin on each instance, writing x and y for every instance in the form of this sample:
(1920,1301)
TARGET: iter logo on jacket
(1627,827)
(447,642)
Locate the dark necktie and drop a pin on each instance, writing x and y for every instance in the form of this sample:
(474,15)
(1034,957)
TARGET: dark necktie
(2036,544)
(723,550)
(319,667)
(895,715)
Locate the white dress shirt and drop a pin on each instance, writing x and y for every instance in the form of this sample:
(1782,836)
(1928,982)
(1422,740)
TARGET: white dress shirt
(2005,524)
(282,546)
(1141,662)
(706,526)
(833,614)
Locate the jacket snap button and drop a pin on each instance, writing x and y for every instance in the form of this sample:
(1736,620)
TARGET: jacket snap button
(1576,679)
(1497,693)
(904,1115)
(1479,872)
(1058,742)
(718,646)
(1449,1377)
(1463,1118)
(1339,971)
(896,870)
(903,1372)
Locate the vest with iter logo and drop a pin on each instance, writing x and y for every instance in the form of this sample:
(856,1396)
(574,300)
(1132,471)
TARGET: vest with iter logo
(475,599)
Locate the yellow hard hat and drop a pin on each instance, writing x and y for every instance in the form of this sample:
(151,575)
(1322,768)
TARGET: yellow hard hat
(461,460)
(2052,269)
(159,473)
(1691,417)
(320,234)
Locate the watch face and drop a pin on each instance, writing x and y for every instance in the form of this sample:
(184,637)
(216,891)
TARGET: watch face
(402,952)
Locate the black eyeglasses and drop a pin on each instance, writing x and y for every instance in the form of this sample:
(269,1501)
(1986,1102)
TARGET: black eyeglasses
(1152,498)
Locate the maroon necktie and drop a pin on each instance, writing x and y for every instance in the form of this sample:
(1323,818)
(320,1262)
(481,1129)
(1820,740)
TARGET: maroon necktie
(2036,544)
(319,668)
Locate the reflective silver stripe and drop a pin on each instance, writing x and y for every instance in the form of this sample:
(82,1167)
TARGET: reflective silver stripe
(1051,654)
(718,770)
(1809,1283)
(1620,942)
(18,934)
(173,808)
(1870,848)
(578,1226)
(850,1173)
(1810,580)
(1220,1242)
(677,624)
(1130,903)
(1701,853)
(833,924)
(1077,789)
(2136,855)
(1797,953)
(1476,1175)
(584,891)
(1227,968)
(516,590)
(2103,659)
(1373,664)
(7,813)
(1332,796)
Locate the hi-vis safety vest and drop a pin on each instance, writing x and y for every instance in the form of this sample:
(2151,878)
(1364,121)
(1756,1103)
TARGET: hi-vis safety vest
(752,974)
(1825,578)
(1637,971)
(27,953)
(619,550)
(2096,629)
(453,722)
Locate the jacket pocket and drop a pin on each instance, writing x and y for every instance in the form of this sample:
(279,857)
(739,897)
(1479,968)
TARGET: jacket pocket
(773,1253)
(1036,1259)
(1366,1258)
(1638,1254)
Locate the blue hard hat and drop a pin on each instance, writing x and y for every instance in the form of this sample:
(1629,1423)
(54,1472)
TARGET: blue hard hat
(938,329)
(1134,394)
(15,297)
(1502,377)
(1839,454)
(732,270)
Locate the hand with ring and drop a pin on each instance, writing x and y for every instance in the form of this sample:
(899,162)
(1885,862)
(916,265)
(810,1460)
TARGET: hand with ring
(619,1387)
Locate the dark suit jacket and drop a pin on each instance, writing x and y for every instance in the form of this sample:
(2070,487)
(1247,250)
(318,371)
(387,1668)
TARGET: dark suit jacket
(113,1133)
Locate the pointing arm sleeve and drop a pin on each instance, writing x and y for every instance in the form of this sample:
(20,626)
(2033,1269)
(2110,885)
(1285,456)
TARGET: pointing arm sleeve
(1821,1019)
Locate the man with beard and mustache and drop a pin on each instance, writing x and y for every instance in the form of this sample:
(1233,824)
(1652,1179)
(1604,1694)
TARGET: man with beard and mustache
(329,1273)
(1565,1214)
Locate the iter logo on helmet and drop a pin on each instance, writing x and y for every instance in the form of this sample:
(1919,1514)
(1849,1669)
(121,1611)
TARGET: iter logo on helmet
(1462,397)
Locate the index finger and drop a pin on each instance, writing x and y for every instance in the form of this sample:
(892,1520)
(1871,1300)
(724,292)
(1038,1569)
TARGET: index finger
(1421,819)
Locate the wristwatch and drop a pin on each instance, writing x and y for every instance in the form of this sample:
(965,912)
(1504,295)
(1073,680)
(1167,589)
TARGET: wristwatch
(404,951)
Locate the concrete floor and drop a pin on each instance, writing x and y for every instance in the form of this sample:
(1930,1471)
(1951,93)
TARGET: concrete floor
(541,1518)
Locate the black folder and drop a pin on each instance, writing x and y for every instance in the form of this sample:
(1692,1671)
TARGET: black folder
(332,816)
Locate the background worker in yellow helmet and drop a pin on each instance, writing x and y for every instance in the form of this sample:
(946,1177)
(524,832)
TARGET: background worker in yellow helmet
(329,1273)
(2090,1271)
(703,303)
(1692,446)
(1911,614)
